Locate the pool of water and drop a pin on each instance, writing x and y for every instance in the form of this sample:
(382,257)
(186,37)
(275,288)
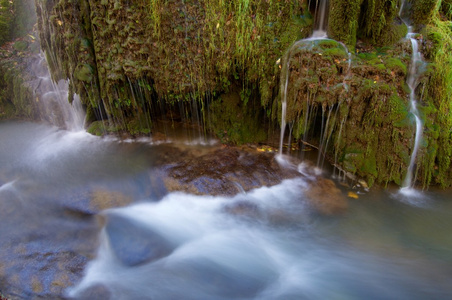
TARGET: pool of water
(84,217)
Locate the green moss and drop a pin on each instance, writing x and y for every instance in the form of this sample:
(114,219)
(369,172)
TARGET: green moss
(338,53)
(138,126)
(396,65)
(369,56)
(84,72)
(424,10)
(393,33)
(446,9)
(233,122)
(439,92)
(96,128)
(20,46)
(343,21)
(6,19)
(376,20)
(398,111)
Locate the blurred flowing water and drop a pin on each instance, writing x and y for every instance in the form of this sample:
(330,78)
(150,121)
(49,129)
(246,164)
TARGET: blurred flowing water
(84,217)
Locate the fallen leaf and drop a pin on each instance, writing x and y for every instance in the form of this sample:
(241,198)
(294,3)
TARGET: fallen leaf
(352,195)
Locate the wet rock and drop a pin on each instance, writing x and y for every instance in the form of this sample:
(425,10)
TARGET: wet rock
(244,209)
(97,291)
(324,197)
(132,243)
(103,199)
(226,171)
(220,280)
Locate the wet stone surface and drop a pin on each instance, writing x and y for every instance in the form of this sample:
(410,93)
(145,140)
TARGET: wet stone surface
(226,171)
(51,226)
(134,244)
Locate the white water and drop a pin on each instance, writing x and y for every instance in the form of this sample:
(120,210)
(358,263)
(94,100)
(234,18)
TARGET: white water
(265,244)
(53,99)
(414,73)
(318,33)
(273,249)
(321,20)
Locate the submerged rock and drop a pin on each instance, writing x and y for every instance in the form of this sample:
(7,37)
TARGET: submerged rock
(226,171)
(134,244)
(103,199)
(325,197)
(97,291)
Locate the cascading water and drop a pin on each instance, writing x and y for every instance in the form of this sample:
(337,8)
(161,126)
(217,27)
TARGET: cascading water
(318,33)
(53,99)
(321,20)
(414,73)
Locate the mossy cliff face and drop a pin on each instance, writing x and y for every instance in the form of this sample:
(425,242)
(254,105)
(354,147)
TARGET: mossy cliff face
(436,95)
(220,62)
(355,110)
(376,22)
(19,47)
(126,58)
(360,115)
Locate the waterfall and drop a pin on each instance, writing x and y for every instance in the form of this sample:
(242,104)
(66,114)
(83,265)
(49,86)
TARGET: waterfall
(321,19)
(318,33)
(52,98)
(414,73)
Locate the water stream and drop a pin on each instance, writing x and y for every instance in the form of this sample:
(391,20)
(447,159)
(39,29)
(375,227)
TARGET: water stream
(85,217)
(59,239)
(415,71)
(318,33)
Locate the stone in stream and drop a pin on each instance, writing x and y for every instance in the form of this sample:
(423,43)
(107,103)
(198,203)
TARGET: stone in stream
(134,244)
(324,197)
(226,171)
(244,209)
(97,291)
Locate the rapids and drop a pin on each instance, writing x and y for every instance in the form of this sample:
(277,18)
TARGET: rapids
(84,217)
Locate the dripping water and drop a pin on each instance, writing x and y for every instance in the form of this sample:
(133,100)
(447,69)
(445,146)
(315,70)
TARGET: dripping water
(318,33)
(415,71)
(52,99)
(321,19)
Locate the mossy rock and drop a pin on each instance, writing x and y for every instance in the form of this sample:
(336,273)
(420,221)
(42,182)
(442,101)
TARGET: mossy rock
(20,46)
(423,11)
(96,128)
(233,122)
(396,65)
(84,72)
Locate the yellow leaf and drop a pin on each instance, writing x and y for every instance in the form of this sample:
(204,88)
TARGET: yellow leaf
(353,195)
(59,22)
(218,25)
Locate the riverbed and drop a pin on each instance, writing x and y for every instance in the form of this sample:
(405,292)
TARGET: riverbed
(86,217)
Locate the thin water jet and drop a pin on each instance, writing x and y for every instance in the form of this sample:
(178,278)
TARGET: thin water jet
(415,71)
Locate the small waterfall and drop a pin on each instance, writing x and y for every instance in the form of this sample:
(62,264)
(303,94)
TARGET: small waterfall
(318,33)
(321,20)
(415,71)
(284,84)
(52,99)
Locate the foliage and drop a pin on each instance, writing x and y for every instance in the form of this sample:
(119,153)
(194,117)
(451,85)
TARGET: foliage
(438,85)
(446,9)
(6,18)
(424,10)
(343,21)
(377,19)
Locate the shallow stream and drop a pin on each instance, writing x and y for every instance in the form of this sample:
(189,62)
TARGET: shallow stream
(84,217)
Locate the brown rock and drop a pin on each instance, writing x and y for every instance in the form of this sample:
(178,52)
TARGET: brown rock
(325,197)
